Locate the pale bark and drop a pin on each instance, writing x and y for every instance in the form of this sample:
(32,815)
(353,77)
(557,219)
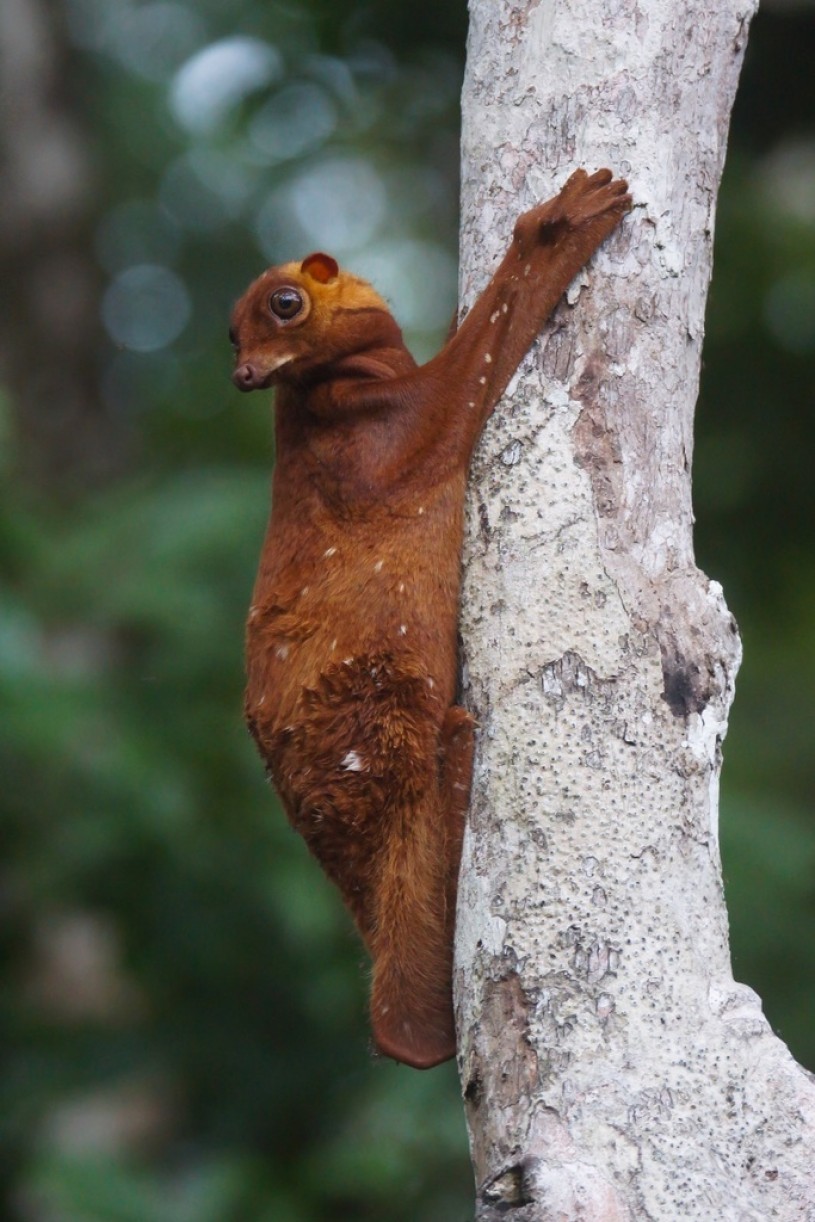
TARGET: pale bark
(611,1067)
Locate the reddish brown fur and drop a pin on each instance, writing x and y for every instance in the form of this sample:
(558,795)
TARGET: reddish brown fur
(351,640)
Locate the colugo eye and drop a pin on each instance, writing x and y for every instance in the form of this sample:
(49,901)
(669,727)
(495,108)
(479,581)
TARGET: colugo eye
(286,303)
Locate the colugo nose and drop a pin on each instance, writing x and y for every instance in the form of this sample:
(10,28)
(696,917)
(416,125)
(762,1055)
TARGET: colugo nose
(246,377)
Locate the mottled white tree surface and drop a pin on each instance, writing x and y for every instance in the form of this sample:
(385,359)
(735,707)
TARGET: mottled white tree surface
(611,1067)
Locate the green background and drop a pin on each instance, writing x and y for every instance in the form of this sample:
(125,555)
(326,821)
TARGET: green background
(183,1010)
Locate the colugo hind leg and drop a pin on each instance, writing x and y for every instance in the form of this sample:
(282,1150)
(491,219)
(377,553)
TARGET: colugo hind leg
(412,944)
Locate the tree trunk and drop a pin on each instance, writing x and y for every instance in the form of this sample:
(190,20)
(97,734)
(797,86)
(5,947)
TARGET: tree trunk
(611,1067)
(49,287)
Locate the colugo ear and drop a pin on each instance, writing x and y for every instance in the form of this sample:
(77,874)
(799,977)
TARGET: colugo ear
(320,267)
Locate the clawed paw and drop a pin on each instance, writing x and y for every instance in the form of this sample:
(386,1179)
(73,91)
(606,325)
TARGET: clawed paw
(597,200)
(585,196)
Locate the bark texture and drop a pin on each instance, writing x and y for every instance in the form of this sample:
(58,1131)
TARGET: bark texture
(612,1069)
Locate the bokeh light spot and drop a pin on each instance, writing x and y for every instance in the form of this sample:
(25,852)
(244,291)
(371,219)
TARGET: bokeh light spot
(220,76)
(417,277)
(205,188)
(153,39)
(146,308)
(338,205)
(295,121)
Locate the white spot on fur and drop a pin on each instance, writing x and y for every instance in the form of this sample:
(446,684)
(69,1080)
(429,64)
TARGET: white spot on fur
(430,684)
(304,591)
(253,611)
(329,551)
(347,661)
(401,587)
(488,358)
(282,652)
(261,701)
(403,629)
(504,308)
(378,566)
(471,404)
(421,509)
(527,269)
(352,762)
(494,316)
(334,644)
(483,381)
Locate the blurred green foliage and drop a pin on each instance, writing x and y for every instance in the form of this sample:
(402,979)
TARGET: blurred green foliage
(181,998)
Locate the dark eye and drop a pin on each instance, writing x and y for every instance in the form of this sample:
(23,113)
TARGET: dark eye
(286,303)
(233,339)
